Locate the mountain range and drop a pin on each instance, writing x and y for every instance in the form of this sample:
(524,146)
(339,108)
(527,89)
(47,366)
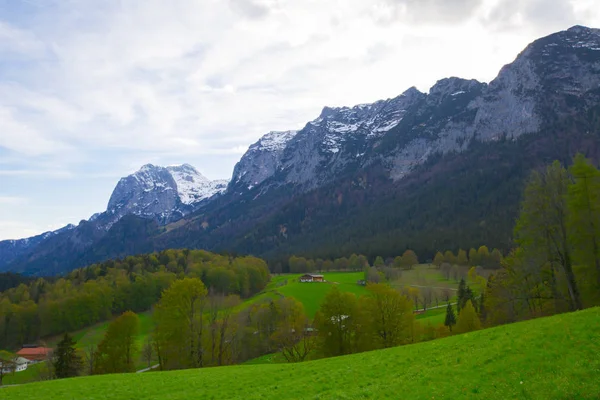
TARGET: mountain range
(428,171)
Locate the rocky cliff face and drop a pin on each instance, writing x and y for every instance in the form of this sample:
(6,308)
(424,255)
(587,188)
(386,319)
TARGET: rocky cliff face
(548,79)
(163,194)
(261,161)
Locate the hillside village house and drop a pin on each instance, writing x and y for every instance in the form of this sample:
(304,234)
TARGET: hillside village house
(34,353)
(312,278)
(19,364)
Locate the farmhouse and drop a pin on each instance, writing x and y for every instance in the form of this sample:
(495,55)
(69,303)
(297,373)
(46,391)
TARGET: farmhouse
(312,278)
(34,353)
(17,365)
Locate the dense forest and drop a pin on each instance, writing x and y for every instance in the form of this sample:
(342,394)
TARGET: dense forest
(96,293)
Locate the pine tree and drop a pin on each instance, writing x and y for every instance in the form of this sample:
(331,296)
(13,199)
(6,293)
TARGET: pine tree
(450,317)
(67,363)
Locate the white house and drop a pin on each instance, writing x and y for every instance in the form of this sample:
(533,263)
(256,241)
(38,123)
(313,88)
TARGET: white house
(21,364)
(17,365)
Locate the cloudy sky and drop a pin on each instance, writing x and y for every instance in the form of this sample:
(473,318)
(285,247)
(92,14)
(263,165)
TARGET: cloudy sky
(91,90)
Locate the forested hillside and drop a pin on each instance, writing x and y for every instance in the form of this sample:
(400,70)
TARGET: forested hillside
(85,296)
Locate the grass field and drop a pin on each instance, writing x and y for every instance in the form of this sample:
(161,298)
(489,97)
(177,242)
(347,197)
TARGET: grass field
(312,294)
(33,373)
(547,358)
(94,334)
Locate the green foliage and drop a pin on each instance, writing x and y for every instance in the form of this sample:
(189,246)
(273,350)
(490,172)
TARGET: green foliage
(449,257)
(116,350)
(450,319)
(337,323)
(96,293)
(67,363)
(462,259)
(389,316)
(545,354)
(409,258)
(542,229)
(473,258)
(438,259)
(468,320)
(584,226)
(293,335)
(180,324)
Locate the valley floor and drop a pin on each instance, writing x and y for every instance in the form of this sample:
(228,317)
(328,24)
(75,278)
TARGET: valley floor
(547,358)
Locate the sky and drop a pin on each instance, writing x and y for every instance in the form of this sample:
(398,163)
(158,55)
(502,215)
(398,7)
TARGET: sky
(92,90)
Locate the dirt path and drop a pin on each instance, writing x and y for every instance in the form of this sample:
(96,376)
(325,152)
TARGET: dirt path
(146,369)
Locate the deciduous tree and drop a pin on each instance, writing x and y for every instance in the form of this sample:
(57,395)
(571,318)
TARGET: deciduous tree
(468,320)
(117,348)
(390,314)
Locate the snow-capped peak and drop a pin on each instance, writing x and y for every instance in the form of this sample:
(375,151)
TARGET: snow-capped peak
(192,186)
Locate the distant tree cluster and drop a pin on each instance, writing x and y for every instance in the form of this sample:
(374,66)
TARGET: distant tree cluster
(96,293)
(480,257)
(347,324)
(353,263)
(196,328)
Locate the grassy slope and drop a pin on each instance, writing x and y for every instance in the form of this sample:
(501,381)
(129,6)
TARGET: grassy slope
(549,358)
(312,294)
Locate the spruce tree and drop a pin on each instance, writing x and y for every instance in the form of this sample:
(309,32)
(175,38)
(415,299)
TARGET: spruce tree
(67,363)
(450,317)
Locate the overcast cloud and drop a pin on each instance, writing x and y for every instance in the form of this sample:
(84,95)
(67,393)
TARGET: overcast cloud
(91,90)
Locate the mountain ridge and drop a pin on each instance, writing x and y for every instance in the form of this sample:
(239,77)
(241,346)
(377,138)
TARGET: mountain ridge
(349,158)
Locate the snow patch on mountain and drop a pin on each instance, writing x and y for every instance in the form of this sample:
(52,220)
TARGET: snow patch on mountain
(273,141)
(192,186)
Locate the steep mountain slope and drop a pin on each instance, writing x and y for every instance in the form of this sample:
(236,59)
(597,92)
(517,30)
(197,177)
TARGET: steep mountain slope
(140,204)
(428,171)
(446,171)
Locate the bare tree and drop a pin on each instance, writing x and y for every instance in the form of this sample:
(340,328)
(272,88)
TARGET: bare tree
(148,351)
(446,294)
(89,358)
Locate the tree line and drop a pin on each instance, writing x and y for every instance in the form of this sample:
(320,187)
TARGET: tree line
(98,292)
(556,266)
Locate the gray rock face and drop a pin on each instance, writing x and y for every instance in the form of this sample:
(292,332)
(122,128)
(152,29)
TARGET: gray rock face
(261,161)
(553,76)
(150,192)
(163,194)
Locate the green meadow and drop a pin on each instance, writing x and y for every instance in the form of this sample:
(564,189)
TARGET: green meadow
(547,358)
